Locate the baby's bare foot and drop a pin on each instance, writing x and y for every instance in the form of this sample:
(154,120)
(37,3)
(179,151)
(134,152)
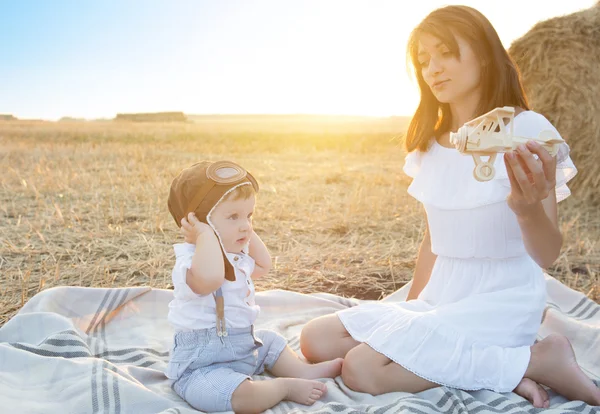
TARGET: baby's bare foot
(327,369)
(533,392)
(304,391)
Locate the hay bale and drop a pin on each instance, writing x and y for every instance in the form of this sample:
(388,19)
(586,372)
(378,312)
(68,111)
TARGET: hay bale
(153,117)
(71,119)
(559,60)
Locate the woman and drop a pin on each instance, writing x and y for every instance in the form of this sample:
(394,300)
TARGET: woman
(478,291)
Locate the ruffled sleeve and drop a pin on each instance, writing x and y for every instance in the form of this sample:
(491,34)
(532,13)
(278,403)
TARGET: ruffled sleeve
(412,163)
(443,177)
(565,171)
(531,124)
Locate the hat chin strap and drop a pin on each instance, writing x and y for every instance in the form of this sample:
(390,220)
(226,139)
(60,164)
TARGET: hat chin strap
(218,294)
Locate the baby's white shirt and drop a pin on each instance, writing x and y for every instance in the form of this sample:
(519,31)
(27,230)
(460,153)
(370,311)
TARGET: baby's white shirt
(190,311)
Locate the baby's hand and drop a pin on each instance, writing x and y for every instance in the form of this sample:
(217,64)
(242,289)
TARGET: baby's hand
(192,228)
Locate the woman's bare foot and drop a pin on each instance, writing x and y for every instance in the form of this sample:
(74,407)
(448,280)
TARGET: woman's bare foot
(553,364)
(303,391)
(533,392)
(327,369)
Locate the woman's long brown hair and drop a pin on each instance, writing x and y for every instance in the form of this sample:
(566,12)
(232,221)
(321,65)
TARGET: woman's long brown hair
(500,78)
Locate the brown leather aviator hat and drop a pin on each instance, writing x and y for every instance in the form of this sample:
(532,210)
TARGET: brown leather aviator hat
(200,187)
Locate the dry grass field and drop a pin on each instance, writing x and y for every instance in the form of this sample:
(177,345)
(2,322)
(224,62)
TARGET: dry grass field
(84,204)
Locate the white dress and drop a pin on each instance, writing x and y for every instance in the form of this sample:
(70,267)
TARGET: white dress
(473,324)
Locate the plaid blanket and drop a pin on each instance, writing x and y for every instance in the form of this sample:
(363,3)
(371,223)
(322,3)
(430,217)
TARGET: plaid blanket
(90,350)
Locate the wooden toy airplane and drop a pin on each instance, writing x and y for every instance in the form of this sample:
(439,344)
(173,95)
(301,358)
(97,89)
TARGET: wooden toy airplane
(491,133)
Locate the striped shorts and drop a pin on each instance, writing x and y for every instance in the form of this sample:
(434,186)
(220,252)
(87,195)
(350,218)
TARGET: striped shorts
(206,369)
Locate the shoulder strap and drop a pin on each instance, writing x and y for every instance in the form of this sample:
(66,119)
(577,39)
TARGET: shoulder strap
(220,307)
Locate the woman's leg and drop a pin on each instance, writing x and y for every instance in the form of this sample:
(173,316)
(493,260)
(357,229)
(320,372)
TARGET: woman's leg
(366,370)
(553,364)
(325,339)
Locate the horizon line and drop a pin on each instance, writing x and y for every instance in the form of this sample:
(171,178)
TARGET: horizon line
(247,114)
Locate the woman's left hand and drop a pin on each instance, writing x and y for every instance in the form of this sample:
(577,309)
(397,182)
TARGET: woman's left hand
(531,180)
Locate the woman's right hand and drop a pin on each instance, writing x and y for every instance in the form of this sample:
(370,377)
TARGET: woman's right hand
(192,228)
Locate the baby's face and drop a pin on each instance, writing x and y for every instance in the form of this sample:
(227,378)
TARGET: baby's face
(233,221)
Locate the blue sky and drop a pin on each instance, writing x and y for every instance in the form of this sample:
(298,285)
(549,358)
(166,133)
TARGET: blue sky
(94,59)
